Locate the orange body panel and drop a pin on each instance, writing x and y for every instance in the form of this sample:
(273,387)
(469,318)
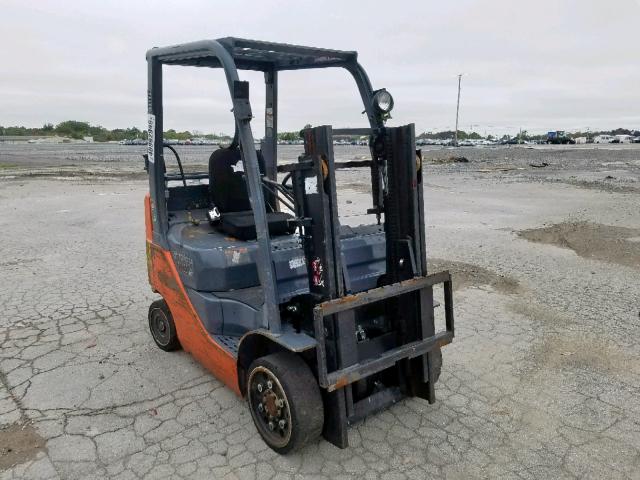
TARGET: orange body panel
(164,279)
(148,222)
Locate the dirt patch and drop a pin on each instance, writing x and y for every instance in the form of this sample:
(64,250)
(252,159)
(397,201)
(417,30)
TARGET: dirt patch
(551,318)
(579,350)
(563,343)
(449,159)
(466,275)
(591,240)
(356,187)
(605,185)
(19,443)
(499,168)
(81,175)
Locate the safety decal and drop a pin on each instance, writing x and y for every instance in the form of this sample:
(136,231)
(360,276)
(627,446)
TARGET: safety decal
(268,117)
(310,185)
(317,271)
(184,263)
(238,167)
(151,131)
(297,263)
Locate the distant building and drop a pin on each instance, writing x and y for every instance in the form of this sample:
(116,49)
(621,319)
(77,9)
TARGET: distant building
(88,139)
(581,139)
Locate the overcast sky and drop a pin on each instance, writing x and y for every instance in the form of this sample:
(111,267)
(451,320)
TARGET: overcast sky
(540,65)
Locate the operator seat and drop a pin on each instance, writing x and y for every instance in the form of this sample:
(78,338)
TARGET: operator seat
(228,191)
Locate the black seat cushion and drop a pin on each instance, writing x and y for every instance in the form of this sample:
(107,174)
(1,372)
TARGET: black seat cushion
(227,184)
(242,225)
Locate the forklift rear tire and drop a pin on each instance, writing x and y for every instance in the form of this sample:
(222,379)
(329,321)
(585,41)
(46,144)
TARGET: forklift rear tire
(285,402)
(163,329)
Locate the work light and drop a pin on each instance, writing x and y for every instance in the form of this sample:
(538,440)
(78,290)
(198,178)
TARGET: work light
(383,101)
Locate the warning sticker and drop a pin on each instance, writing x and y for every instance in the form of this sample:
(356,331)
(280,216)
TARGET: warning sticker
(297,262)
(268,117)
(238,167)
(317,273)
(310,185)
(151,131)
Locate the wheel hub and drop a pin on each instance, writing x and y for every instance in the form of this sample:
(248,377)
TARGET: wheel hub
(269,406)
(161,327)
(270,401)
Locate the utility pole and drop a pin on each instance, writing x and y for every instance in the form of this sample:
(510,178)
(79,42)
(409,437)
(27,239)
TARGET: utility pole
(455,142)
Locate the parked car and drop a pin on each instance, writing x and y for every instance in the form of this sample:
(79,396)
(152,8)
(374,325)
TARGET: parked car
(603,139)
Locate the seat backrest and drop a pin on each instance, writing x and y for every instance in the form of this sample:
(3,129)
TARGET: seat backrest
(227,183)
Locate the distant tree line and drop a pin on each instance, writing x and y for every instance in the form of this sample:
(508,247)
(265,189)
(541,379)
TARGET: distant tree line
(447,134)
(617,131)
(523,135)
(79,130)
(291,136)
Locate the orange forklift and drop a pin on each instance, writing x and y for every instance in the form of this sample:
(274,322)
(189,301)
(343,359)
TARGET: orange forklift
(315,323)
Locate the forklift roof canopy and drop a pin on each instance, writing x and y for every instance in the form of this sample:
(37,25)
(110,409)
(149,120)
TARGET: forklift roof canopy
(252,55)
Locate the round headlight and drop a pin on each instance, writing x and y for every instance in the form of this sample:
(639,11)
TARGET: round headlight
(383,101)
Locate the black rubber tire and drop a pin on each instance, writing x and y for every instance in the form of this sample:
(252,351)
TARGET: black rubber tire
(302,397)
(160,317)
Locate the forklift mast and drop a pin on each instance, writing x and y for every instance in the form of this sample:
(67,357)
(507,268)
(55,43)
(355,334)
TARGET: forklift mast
(405,294)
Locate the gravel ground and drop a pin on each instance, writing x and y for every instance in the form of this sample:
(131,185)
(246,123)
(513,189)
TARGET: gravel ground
(542,380)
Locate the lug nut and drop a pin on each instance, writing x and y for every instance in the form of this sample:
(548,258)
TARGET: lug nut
(280,403)
(281,424)
(271,426)
(269,384)
(260,387)
(260,407)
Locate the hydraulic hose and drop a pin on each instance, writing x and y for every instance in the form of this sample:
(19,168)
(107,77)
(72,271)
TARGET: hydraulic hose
(184,180)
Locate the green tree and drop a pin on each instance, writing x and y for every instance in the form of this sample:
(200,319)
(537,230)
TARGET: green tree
(288,136)
(73,129)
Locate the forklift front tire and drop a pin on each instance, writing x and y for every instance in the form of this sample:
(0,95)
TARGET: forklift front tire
(285,402)
(162,327)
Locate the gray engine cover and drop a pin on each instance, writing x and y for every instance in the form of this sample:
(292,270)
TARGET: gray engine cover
(210,261)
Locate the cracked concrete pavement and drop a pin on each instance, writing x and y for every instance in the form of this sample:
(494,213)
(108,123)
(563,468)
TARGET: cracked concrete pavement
(542,380)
